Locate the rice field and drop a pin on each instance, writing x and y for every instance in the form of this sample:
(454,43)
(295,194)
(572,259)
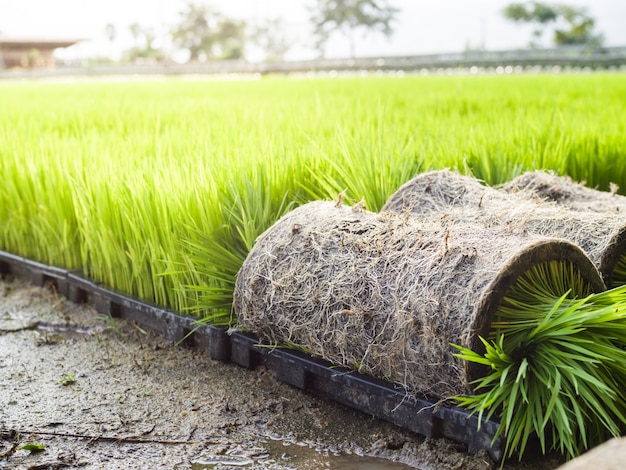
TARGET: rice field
(159,189)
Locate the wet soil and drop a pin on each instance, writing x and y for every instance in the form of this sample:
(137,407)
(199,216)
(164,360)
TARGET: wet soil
(102,393)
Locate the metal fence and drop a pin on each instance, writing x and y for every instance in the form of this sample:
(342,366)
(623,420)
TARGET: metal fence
(474,60)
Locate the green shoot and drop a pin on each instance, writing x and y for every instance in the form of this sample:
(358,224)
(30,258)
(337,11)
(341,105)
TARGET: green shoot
(556,363)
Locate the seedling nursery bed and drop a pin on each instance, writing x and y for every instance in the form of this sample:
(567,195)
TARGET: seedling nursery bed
(361,392)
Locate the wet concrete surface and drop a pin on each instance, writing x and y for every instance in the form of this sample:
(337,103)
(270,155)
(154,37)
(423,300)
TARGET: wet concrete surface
(102,393)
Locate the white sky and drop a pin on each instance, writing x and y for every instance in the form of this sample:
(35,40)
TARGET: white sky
(424,26)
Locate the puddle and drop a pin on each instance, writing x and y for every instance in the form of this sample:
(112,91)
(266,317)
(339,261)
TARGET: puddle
(297,456)
(47,333)
(65,329)
(51,333)
(14,325)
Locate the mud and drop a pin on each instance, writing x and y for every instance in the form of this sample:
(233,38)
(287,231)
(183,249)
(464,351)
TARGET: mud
(101,393)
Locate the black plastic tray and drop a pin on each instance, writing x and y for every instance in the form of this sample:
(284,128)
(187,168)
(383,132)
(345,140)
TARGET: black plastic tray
(364,393)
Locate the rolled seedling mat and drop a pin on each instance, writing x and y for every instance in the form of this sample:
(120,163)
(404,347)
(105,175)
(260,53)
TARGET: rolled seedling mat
(566,192)
(387,294)
(460,199)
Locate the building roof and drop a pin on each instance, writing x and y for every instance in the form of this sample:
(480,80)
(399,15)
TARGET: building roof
(38,42)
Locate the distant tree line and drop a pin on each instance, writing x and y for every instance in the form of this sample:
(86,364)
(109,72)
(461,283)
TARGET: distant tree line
(204,33)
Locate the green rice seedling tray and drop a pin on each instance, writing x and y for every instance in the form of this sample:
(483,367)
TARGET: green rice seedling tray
(384,400)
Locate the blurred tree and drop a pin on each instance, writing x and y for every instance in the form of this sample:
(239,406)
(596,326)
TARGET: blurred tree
(135,31)
(230,39)
(194,33)
(269,37)
(535,13)
(346,16)
(573,26)
(206,34)
(111,32)
(579,30)
(144,48)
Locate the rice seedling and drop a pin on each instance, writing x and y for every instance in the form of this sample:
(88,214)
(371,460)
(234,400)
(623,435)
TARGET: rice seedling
(218,257)
(126,180)
(619,273)
(370,164)
(555,363)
